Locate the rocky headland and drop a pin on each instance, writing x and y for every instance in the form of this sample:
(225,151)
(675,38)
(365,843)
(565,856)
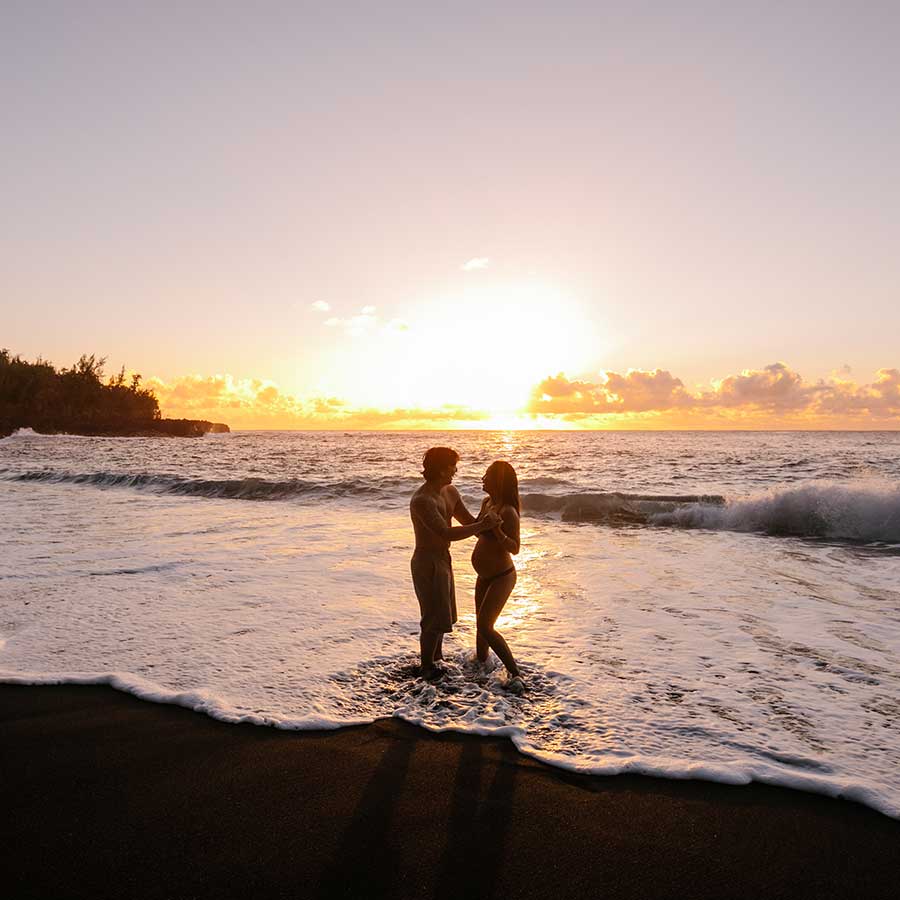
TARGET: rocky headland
(78,400)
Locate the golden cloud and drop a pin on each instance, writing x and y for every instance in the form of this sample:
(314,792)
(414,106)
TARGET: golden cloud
(636,391)
(762,398)
(256,404)
(772,397)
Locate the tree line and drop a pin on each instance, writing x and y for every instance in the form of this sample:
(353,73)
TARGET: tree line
(77,400)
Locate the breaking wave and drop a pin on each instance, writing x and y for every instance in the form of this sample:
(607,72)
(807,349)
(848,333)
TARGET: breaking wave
(226,489)
(29,433)
(613,508)
(852,512)
(868,512)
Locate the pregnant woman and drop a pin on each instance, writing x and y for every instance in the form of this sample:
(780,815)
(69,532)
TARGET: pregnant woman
(492,560)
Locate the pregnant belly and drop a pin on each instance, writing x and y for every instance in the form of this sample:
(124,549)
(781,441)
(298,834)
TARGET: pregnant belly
(488,558)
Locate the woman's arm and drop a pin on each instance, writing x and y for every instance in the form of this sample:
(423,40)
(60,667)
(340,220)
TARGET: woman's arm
(507,532)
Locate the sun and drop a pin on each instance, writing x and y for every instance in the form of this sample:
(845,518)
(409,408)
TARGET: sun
(482,349)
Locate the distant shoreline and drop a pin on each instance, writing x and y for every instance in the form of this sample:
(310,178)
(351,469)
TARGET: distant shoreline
(157,428)
(47,400)
(345,430)
(221,428)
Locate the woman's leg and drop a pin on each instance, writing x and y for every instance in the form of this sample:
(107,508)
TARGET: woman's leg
(492,603)
(481,645)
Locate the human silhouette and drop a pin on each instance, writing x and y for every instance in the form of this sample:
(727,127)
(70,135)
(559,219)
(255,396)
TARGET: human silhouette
(492,560)
(432,507)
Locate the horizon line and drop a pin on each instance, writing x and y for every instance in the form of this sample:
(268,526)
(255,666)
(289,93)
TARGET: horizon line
(574,430)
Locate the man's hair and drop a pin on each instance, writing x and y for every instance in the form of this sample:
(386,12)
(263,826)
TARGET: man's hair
(436,460)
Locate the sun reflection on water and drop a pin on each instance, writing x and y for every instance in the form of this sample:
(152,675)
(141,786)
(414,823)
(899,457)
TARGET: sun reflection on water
(526,598)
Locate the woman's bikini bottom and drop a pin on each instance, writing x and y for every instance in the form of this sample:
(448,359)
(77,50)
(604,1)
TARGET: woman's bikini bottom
(487,579)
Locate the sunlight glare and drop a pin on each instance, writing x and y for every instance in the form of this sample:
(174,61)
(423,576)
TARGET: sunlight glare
(483,349)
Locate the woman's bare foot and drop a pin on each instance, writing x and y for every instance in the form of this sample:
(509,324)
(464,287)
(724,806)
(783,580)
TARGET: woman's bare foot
(515,685)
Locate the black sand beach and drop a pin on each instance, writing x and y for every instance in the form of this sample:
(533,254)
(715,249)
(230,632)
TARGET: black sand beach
(105,795)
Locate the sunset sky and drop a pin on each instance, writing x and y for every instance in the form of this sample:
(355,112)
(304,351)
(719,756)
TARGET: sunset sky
(461,215)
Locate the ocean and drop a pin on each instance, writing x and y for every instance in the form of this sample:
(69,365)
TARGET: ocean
(722,606)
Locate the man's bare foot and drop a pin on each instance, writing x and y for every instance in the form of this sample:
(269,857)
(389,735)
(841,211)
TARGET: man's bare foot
(432,674)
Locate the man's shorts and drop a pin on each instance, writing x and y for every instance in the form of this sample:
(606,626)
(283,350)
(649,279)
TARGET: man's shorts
(432,576)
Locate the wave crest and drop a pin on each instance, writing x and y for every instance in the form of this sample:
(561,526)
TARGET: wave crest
(612,508)
(30,433)
(853,512)
(226,489)
(868,512)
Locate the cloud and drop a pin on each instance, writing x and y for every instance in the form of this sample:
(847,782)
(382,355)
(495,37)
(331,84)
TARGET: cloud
(268,396)
(770,397)
(881,399)
(359,324)
(257,403)
(320,306)
(355,325)
(364,322)
(766,396)
(639,391)
(775,387)
(189,395)
(475,263)
(636,391)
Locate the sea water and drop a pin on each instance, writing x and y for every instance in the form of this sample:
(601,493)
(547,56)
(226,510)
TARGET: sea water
(723,606)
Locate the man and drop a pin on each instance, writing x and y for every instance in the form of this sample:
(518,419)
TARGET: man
(432,507)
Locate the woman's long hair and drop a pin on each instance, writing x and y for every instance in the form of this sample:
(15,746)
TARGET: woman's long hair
(507,483)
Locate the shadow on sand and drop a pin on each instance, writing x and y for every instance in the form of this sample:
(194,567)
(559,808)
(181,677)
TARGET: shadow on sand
(366,863)
(478,825)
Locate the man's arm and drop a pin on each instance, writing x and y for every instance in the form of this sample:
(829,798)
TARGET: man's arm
(460,513)
(427,512)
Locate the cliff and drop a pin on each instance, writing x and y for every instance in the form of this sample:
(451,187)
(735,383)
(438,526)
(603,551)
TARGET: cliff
(78,401)
(188,427)
(153,428)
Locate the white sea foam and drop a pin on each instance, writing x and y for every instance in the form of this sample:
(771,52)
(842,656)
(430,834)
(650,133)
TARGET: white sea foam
(858,511)
(29,433)
(735,771)
(197,700)
(688,652)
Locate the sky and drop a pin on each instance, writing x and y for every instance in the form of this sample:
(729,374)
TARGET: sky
(414,215)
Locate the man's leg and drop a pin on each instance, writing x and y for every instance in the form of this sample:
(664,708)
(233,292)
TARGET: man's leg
(428,644)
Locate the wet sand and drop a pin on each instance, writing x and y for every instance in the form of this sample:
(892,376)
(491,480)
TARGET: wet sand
(104,795)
